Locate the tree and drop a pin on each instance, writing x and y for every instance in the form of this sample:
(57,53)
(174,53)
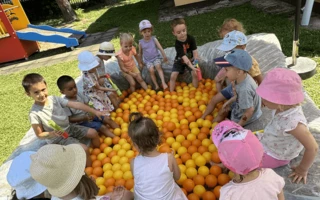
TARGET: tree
(67,11)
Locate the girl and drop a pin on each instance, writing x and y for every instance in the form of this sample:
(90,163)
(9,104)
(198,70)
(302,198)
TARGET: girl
(106,51)
(19,177)
(287,133)
(241,152)
(61,170)
(127,64)
(154,173)
(91,87)
(148,51)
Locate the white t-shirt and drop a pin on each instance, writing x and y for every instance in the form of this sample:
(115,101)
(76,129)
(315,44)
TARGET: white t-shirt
(276,140)
(266,187)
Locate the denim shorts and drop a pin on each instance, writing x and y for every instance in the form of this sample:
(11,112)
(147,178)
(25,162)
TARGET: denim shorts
(96,123)
(227,92)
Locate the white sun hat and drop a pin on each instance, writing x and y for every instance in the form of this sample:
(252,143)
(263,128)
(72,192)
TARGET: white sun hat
(58,167)
(106,49)
(144,24)
(20,179)
(87,61)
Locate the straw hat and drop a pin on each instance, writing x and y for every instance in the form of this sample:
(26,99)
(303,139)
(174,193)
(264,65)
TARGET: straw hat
(87,61)
(58,167)
(106,49)
(20,179)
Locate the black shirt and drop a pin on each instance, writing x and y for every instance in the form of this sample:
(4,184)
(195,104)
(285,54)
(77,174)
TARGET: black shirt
(185,48)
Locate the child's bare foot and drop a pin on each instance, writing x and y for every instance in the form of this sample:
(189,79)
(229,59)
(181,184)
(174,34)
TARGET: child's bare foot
(165,86)
(117,193)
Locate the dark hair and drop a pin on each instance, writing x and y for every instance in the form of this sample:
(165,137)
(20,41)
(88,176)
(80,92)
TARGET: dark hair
(86,188)
(143,132)
(176,22)
(62,80)
(30,79)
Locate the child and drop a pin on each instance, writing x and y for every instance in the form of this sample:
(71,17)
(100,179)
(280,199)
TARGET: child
(187,52)
(46,108)
(287,133)
(154,173)
(241,152)
(91,87)
(19,177)
(106,51)
(127,64)
(230,24)
(61,170)
(68,87)
(232,40)
(148,51)
(247,106)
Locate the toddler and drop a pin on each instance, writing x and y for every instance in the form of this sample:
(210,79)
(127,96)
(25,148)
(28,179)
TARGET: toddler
(61,170)
(149,54)
(69,89)
(241,152)
(154,173)
(187,52)
(247,106)
(106,51)
(287,133)
(232,40)
(91,87)
(127,64)
(46,108)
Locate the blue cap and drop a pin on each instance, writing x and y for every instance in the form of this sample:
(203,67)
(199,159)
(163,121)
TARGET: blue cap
(231,40)
(237,58)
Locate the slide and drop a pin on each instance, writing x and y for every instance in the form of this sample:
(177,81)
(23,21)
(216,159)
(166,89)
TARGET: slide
(32,34)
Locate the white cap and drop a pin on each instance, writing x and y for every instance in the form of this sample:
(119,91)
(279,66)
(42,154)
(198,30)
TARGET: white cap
(231,40)
(106,49)
(144,24)
(87,61)
(20,179)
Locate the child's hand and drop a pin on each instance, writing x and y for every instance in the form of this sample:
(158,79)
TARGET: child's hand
(100,114)
(56,133)
(165,59)
(299,174)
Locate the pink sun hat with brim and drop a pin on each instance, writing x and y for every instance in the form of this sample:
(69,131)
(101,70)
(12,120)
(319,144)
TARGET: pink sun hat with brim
(87,61)
(222,128)
(239,149)
(20,179)
(59,168)
(281,86)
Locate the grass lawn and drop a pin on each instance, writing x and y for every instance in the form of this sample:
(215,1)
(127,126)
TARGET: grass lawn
(126,16)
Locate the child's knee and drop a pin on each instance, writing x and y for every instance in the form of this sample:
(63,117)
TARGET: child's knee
(158,67)
(92,133)
(173,77)
(194,75)
(151,70)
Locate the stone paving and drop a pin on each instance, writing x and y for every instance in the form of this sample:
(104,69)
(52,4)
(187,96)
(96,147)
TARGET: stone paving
(90,43)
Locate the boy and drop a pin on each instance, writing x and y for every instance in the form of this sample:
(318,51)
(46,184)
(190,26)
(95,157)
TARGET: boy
(246,108)
(68,87)
(47,108)
(232,40)
(186,49)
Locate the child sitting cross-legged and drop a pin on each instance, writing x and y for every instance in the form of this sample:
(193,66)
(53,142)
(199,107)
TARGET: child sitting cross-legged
(154,172)
(68,87)
(245,104)
(46,108)
(241,152)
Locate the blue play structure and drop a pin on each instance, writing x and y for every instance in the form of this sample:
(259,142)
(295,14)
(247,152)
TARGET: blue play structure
(54,38)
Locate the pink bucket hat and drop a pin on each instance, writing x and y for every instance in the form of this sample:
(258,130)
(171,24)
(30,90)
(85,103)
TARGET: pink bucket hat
(239,149)
(281,86)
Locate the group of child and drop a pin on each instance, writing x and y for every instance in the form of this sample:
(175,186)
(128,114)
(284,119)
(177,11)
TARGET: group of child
(245,154)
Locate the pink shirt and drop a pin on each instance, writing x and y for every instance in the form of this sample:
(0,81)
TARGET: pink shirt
(266,187)
(128,61)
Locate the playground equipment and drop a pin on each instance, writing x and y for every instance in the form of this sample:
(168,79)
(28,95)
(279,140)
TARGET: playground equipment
(19,39)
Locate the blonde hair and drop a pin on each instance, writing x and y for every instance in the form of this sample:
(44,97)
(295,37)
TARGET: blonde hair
(86,188)
(229,25)
(126,37)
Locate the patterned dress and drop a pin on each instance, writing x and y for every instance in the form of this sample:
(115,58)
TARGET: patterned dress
(99,98)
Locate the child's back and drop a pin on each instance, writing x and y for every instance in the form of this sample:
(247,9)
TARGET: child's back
(154,184)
